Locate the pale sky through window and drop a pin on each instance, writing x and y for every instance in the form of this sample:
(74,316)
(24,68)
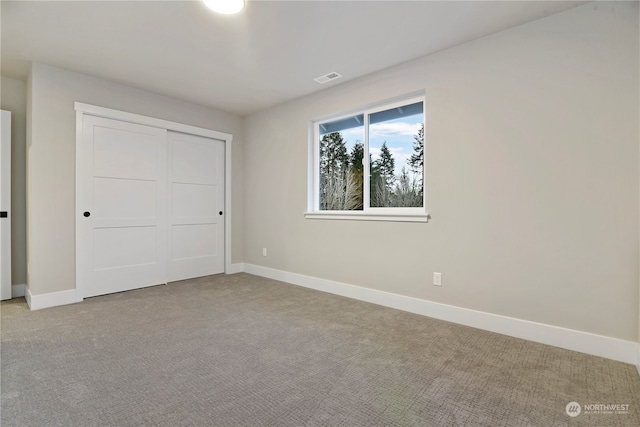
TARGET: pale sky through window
(399,135)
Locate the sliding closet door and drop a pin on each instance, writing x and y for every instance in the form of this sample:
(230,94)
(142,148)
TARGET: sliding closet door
(195,204)
(122,241)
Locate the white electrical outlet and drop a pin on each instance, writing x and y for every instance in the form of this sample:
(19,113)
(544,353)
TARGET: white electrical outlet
(437,279)
(264,251)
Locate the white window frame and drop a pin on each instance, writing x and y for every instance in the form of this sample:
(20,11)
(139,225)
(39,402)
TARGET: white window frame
(403,214)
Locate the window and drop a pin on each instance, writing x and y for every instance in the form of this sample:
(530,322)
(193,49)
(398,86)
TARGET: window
(369,164)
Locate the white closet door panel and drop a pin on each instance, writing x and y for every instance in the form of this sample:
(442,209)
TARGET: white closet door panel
(139,251)
(123,242)
(196,203)
(194,200)
(124,152)
(193,158)
(114,281)
(124,198)
(192,241)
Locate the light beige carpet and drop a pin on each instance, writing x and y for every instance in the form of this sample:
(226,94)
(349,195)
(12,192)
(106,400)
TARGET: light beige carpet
(241,350)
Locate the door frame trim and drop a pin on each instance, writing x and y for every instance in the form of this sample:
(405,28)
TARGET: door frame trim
(5,204)
(83,109)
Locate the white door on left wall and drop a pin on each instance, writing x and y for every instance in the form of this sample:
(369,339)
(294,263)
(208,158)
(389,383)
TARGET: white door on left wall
(122,240)
(5,205)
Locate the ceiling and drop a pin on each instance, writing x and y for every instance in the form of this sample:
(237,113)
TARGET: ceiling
(268,54)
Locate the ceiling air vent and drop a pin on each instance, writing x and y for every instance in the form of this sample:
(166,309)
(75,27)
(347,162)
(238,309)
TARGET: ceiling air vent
(328,77)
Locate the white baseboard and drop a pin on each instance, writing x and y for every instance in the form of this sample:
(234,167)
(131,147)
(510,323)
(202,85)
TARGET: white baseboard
(597,345)
(18,291)
(235,268)
(38,302)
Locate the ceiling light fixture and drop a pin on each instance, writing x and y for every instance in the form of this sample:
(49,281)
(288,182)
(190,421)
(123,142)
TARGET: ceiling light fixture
(228,7)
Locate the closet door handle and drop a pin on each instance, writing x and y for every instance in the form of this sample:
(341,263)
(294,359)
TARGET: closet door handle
(87,214)
(220,213)
(4,214)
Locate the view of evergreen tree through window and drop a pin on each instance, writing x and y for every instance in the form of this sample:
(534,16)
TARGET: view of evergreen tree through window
(341,167)
(395,146)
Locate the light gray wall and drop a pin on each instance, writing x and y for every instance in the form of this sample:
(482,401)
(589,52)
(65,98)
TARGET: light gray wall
(51,163)
(531,151)
(13,97)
